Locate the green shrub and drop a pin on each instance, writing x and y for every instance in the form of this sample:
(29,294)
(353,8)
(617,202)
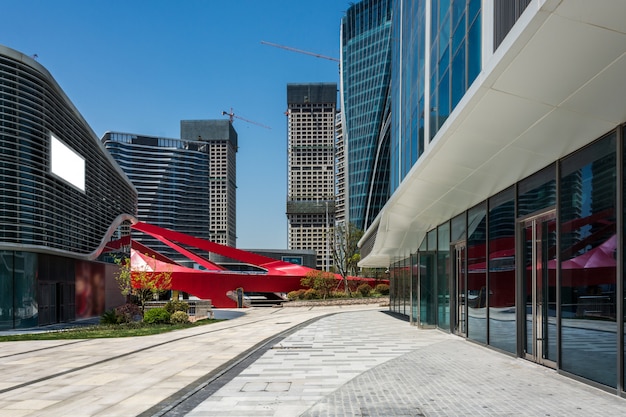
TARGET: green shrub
(156,316)
(109,317)
(310,294)
(173,306)
(179,317)
(296,295)
(382,289)
(339,294)
(364,290)
(322,282)
(128,313)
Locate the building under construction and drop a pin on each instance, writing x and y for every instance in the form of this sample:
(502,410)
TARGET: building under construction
(311,170)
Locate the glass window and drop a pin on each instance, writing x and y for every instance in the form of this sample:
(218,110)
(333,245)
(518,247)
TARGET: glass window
(458,228)
(414,288)
(477,273)
(588,244)
(25,285)
(6,290)
(428,281)
(474,50)
(443,276)
(502,324)
(458,76)
(537,192)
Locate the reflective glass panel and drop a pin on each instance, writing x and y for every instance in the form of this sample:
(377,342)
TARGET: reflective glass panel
(25,285)
(502,323)
(477,273)
(443,276)
(428,282)
(588,247)
(6,290)
(414,288)
(537,192)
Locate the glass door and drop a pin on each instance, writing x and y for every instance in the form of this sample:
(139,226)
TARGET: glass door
(539,249)
(460,285)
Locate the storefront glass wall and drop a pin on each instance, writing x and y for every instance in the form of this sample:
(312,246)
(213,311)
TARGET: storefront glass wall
(557,304)
(25,289)
(502,309)
(6,290)
(428,281)
(413,287)
(477,273)
(588,244)
(406,283)
(443,276)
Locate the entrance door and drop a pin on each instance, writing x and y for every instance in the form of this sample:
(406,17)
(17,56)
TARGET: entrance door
(539,249)
(460,279)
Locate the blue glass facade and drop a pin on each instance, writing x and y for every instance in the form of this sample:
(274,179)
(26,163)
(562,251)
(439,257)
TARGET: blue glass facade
(424,96)
(366,66)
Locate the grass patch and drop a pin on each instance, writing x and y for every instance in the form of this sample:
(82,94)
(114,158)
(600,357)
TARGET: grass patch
(102,331)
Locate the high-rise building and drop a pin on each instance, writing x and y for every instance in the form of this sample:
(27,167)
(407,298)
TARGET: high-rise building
(366,107)
(506,221)
(311,168)
(171,179)
(340,172)
(188,184)
(221,139)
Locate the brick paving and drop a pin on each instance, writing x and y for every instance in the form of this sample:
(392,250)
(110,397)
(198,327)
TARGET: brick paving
(369,363)
(304,361)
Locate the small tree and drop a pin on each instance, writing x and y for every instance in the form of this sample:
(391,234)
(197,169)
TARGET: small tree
(346,255)
(322,282)
(141,282)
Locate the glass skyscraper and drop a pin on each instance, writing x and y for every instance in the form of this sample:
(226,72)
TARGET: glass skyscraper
(505,224)
(365,93)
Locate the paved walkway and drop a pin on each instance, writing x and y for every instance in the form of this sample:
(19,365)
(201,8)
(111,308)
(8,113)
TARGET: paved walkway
(359,362)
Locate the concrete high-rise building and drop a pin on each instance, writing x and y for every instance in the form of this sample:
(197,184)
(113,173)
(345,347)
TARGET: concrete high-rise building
(340,171)
(221,139)
(366,107)
(311,168)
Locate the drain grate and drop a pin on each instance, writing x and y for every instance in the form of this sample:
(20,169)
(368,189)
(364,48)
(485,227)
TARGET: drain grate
(281,347)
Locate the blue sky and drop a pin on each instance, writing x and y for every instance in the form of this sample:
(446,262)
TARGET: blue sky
(141,66)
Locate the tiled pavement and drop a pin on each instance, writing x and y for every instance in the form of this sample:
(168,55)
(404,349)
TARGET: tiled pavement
(371,364)
(360,362)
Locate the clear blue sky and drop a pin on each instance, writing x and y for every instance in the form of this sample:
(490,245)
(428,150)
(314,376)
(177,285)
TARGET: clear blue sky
(141,66)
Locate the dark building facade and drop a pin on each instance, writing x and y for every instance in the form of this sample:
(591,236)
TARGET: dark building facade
(170,176)
(62,197)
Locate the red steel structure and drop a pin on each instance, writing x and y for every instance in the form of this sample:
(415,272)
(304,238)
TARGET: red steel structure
(215,281)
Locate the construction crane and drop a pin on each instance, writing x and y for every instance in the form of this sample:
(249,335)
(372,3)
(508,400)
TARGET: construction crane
(232,117)
(330,58)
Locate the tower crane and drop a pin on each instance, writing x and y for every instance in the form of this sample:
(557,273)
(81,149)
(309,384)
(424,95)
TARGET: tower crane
(232,117)
(330,58)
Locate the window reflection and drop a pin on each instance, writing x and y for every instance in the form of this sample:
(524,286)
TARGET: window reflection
(502,324)
(477,273)
(588,262)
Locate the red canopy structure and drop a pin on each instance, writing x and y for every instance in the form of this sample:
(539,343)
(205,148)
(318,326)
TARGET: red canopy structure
(215,281)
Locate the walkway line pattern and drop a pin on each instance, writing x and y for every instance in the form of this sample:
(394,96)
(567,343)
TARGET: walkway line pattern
(369,363)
